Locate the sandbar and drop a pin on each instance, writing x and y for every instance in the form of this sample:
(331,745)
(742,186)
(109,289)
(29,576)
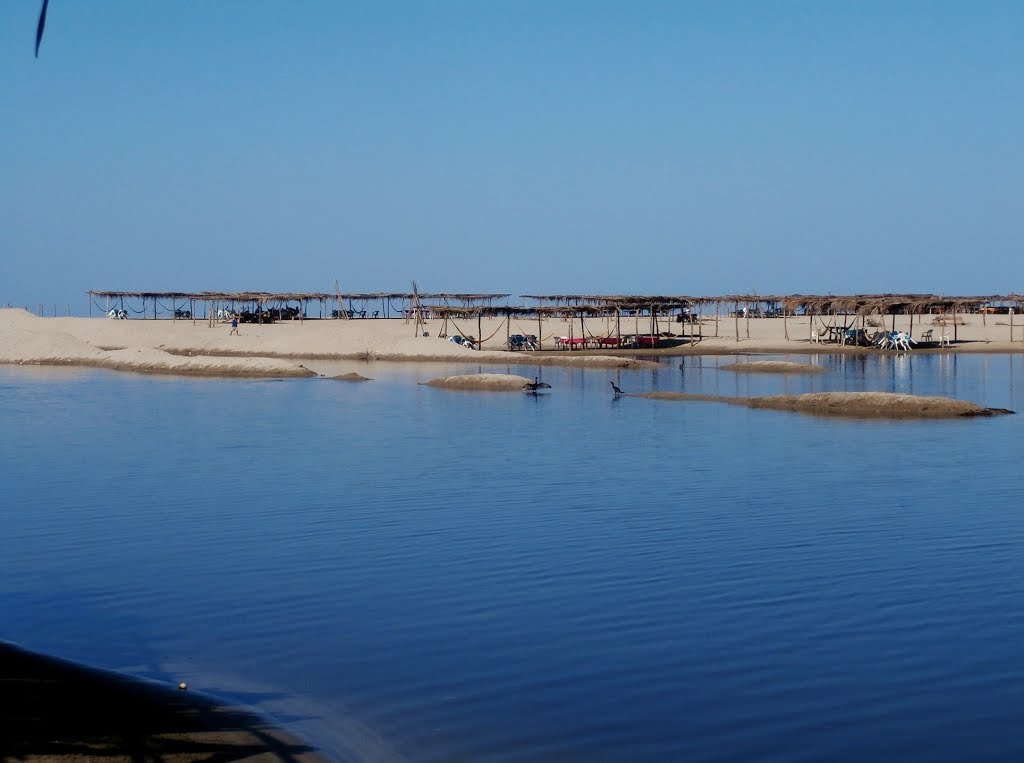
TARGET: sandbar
(774,367)
(884,405)
(482,382)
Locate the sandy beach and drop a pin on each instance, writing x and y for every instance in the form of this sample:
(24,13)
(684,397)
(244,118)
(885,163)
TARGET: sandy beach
(285,349)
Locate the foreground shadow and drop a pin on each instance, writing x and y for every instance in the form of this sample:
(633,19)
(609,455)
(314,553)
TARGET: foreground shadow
(51,708)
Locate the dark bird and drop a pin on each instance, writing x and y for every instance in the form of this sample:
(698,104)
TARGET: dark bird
(42,26)
(616,390)
(535,385)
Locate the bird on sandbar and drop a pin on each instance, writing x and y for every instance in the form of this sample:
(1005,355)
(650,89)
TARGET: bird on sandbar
(535,385)
(616,390)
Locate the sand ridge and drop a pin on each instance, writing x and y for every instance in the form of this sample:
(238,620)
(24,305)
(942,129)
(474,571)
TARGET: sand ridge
(774,367)
(886,405)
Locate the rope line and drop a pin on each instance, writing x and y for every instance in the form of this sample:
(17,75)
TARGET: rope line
(480,342)
(524,332)
(496,330)
(539,339)
(461,333)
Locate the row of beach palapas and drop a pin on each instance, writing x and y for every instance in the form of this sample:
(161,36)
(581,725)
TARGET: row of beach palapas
(589,322)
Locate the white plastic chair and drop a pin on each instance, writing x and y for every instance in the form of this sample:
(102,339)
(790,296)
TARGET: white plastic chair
(815,337)
(902,341)
(944,339)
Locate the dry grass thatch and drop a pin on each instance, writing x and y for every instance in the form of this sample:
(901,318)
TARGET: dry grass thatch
(602,304)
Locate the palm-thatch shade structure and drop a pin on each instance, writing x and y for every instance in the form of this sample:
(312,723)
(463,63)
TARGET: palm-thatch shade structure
(175,303)
(832,312)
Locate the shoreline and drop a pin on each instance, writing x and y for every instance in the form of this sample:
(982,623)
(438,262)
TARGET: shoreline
(54,709)
(277,350)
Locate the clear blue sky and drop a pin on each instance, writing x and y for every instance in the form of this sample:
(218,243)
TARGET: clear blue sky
(609,147)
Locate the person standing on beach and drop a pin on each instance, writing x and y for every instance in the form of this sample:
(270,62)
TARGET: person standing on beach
(234,326)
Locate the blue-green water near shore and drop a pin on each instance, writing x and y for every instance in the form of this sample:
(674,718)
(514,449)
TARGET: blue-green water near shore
(406,573)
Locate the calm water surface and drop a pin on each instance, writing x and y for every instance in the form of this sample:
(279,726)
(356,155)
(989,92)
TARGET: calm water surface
(406,573)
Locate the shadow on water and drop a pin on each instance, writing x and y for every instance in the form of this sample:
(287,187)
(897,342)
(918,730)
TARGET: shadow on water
(68,623)
(50,708)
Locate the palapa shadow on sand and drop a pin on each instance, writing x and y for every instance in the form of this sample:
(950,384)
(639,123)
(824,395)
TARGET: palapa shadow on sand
(56,710)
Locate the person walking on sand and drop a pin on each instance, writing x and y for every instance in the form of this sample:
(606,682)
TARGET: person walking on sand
(234,326)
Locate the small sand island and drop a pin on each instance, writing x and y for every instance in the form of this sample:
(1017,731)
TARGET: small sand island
(774,367)
(885,405)
(482,382)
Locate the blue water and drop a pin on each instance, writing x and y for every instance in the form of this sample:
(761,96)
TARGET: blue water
(406,573)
